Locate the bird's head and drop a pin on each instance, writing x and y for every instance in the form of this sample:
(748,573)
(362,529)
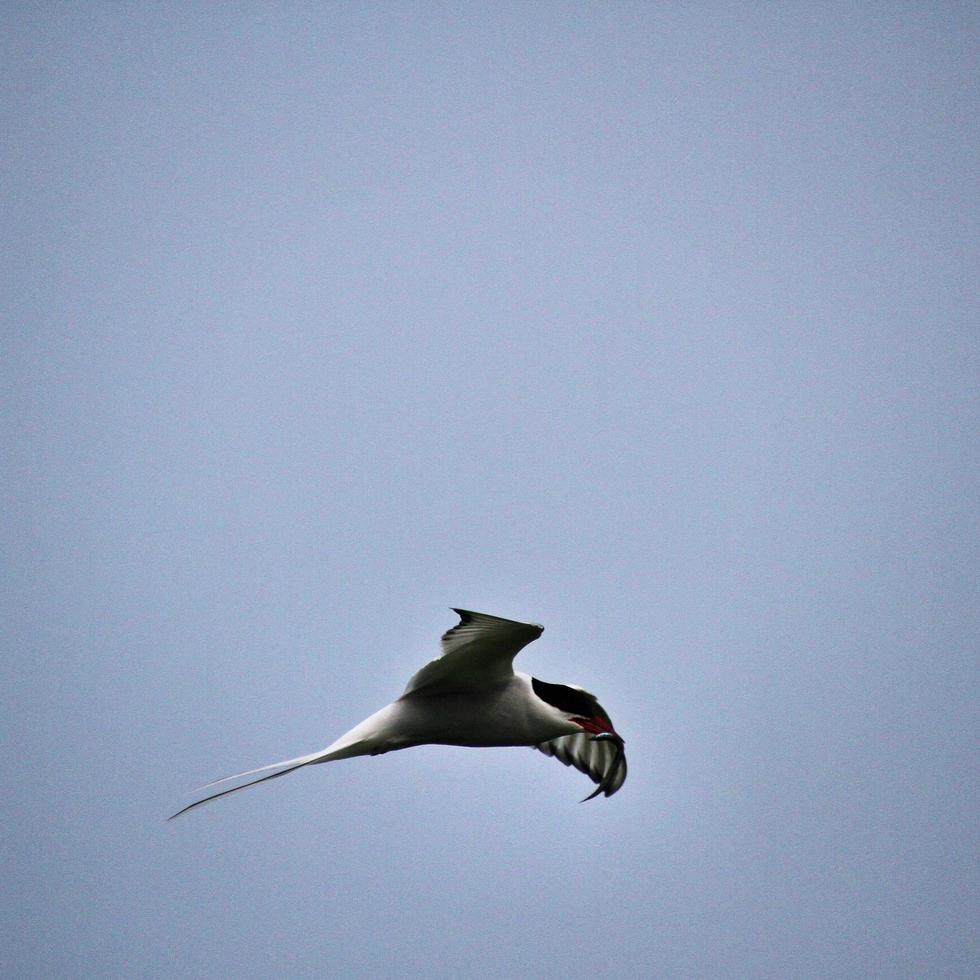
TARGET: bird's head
(580,708)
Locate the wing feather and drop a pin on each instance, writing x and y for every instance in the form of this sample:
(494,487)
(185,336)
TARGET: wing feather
(602,760)
(479,651)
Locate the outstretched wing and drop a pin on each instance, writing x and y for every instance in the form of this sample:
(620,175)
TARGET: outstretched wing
(477,652)
(602,759)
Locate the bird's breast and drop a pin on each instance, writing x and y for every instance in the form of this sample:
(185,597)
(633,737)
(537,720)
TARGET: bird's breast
(506,715)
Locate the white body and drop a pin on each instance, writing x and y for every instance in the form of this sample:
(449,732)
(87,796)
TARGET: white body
(508,713)
(472,696)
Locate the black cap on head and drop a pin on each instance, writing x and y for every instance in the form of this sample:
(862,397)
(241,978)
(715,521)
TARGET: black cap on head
(564,698)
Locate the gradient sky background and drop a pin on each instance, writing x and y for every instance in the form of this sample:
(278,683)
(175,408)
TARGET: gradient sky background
(654,323)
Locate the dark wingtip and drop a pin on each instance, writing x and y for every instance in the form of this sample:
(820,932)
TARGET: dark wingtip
(467,615)
(607,780)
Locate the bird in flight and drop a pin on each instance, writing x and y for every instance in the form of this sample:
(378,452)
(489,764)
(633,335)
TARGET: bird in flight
(471,695)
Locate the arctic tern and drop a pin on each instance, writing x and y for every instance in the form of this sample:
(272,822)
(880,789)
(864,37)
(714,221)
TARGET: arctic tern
(471,695)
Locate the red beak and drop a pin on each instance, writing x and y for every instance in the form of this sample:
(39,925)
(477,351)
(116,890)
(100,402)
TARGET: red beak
(597,726)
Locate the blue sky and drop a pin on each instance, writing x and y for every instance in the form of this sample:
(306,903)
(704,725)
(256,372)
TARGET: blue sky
(656,324)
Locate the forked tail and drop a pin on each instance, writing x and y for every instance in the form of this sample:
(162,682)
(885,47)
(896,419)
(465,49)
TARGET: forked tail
(329,754)
(371,736)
